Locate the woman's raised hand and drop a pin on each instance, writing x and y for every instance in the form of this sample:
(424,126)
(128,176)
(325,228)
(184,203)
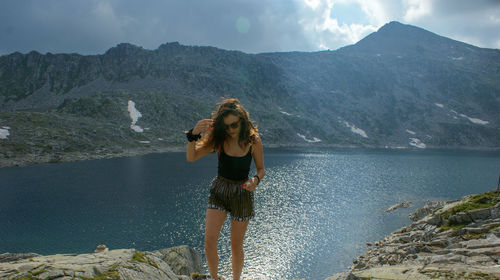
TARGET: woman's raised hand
(203,126)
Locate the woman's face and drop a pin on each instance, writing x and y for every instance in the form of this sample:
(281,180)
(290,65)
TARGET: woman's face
(232,124)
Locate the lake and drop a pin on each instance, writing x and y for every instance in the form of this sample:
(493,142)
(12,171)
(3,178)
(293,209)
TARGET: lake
(315,210)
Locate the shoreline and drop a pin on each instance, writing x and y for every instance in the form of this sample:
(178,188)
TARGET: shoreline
(457,239)
(444,241)
(34,159)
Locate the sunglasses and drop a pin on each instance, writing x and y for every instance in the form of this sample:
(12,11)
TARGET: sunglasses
(233,125)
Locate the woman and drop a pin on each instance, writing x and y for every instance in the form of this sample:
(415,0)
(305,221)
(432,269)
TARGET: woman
(232,135)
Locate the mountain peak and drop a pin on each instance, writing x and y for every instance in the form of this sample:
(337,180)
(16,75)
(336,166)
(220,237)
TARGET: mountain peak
(124,49)
(398,38)
(396,29)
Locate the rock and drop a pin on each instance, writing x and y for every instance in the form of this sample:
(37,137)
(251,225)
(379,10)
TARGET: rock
(439,243)
(428,209)
(8,257)
(101,248)
(182,259)
(432,220)
(460,218)
(344,276)
(51,274)
(398,205)
(480,214)
(126,264)
(424,250)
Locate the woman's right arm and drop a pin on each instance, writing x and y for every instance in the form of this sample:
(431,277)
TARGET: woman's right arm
(193,153)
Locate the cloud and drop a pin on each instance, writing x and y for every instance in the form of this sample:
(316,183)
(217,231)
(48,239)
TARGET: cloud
(417,9)
(93,26)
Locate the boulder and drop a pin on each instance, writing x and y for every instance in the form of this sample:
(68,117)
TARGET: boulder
(460,218)
(398,205)
(428,209)
(480,214)
(182,259)
(125,264)
(8,257)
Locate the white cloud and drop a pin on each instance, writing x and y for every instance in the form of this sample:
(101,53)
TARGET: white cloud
(93,26)
(417,9)
(325,31)
(313,3)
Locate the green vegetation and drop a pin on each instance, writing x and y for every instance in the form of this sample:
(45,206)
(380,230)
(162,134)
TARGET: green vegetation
(450,225)
(439,274)
(470,236)
(27,277)
(139,257)
(111,274)
(478,201)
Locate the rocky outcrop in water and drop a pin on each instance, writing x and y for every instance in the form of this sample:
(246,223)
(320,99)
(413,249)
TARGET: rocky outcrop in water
(453,240)
(177,263)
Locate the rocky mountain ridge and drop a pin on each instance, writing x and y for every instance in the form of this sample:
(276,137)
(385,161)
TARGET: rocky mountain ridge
(400,87)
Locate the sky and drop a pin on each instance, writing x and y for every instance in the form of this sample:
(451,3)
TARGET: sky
(253,26)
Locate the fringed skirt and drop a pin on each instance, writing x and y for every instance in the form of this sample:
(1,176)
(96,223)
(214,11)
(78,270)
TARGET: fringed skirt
(228,195)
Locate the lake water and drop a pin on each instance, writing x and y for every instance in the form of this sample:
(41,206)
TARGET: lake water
(315,210)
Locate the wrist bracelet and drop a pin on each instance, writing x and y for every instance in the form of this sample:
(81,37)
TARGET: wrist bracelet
(192,137)
(258,179)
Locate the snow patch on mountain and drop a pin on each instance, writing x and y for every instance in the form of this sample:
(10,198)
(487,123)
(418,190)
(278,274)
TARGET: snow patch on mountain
(134,116)
(456,114)
(411,132)
(356,130)
(314,140)
(417,143)
(4,132)
(474,120)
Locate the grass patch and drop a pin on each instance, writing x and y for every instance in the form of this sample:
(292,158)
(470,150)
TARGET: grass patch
(139,257)
(448,225)
(27,277)
(477,201)
(112,273)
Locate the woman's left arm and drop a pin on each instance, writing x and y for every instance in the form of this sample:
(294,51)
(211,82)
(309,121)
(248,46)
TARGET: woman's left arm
(258,157)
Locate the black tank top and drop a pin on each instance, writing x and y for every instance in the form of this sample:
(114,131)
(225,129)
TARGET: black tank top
(234,168)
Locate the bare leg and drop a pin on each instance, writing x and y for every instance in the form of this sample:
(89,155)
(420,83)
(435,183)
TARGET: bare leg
(238,230)
(213,223)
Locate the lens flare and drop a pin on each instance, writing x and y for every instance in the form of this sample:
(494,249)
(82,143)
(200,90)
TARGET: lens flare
(243,25)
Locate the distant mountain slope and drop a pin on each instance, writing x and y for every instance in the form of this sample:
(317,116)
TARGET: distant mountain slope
(399,86)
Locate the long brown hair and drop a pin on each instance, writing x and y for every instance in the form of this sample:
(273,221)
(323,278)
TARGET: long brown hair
(217,136)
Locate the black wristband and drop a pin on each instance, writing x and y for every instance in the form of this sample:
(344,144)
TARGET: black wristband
(192,137)
(258,179)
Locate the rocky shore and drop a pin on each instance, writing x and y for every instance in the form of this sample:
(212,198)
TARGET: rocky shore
(31,159)
(457,239)
(448,240)
(177,263)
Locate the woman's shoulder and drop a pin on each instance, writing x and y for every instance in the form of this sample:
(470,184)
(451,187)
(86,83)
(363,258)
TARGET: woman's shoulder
(255,140)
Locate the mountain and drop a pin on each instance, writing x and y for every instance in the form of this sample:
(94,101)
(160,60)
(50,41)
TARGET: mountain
(401,86)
